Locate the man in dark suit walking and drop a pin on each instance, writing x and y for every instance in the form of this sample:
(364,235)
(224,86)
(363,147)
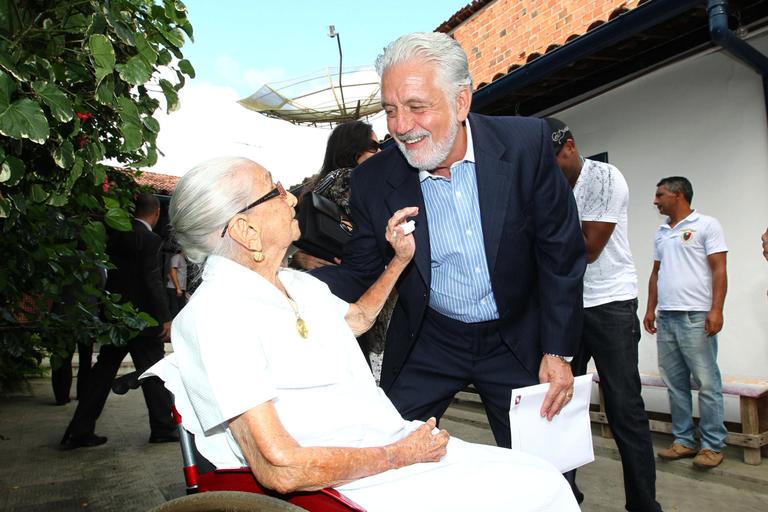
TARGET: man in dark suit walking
(138,279)
(493,296)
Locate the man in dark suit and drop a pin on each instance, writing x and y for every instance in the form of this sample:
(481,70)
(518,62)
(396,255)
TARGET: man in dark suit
(137,277)
(493,295)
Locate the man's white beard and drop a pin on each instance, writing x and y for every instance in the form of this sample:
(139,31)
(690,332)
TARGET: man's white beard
(435,152)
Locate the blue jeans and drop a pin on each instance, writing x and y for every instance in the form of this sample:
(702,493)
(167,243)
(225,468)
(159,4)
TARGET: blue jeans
(610,337)
(685,350)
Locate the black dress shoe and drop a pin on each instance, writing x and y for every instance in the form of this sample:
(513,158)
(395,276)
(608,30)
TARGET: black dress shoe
(122,385)
(62,402)
(173,437)
(82,441)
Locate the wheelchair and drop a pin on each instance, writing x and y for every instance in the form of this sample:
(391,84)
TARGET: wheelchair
(206,478)
(233,490)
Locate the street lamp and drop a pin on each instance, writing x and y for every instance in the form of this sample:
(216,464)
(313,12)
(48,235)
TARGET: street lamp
(332,33)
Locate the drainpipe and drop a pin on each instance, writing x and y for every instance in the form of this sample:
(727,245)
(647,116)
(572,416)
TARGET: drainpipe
(735,46)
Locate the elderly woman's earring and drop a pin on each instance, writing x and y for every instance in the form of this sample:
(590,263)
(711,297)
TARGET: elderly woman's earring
(257,255)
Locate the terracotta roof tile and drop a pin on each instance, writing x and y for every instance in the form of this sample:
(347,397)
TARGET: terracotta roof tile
(491,71)
(160,183)
(462,15)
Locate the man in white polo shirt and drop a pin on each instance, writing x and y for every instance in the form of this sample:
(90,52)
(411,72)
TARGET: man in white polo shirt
(611,328)
(687,285)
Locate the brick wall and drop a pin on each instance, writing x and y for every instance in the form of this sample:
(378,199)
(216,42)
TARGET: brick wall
(506,33)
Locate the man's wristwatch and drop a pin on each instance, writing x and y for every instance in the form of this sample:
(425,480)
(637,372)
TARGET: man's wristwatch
(565,359)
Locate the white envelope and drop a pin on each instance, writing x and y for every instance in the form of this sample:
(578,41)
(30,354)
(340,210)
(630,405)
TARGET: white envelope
(566,441)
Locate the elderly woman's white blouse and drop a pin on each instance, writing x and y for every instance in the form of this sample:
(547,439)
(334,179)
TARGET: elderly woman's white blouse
(236,346)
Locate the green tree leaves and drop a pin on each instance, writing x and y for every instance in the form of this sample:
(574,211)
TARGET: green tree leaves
(131,124)
(24,119)
(75,82)
(186,67)
(136,71)
(59,103)
(64,155)
(171,96)
(11,171)
(102,56)
(7,88)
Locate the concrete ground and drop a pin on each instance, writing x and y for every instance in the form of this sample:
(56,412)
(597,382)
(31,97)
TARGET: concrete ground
(128,474)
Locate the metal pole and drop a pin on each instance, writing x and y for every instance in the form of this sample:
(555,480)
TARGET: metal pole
(341,89)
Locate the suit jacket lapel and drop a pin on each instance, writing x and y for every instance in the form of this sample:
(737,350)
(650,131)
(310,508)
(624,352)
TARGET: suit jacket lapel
(494,180)
(406,191)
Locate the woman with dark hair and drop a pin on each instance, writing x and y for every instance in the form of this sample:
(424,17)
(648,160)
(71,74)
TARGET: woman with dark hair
(349,145)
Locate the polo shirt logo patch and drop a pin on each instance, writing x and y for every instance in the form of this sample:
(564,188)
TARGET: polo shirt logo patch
(687,235)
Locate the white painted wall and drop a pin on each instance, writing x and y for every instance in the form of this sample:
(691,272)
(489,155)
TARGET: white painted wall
(703,118)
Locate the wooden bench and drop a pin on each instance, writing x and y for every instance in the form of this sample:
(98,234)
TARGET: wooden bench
(753,406)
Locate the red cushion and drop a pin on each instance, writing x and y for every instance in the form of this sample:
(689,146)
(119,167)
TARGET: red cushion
(242,479)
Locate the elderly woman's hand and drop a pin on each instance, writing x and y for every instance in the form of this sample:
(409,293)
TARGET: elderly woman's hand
(363,313)
(404,245)
(422,445)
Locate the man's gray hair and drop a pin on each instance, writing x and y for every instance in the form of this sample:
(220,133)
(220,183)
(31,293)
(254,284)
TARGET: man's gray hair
(436,48)
(205,200)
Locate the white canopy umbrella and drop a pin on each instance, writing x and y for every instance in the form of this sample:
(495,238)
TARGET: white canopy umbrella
(318,98)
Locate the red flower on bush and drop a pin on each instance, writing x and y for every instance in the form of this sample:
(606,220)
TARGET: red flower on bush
(84,116)
(105,185)
(81,141)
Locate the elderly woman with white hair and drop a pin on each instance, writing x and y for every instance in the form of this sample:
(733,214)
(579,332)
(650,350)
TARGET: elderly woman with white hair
(267,373)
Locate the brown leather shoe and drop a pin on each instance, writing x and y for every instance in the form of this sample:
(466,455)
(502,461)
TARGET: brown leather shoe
(707,459)
(677,451)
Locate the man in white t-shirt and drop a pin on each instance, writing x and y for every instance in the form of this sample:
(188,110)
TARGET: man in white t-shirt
(611,328)
(688,285)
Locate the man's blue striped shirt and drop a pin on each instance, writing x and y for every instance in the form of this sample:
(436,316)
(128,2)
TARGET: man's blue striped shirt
(461,284)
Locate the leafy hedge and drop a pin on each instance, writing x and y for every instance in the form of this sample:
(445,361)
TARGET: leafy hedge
(79,84)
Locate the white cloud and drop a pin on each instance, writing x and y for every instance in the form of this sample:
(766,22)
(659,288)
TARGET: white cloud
(255,78)
(227,68)
(210,124)
(242,78)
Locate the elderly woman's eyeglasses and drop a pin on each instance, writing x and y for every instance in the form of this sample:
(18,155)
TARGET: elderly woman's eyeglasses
(278,191)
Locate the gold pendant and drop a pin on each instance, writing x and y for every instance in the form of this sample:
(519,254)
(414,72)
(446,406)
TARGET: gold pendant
(301,328)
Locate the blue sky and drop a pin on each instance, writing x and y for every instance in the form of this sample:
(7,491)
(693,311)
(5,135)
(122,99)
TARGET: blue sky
(240,42)
(241,45)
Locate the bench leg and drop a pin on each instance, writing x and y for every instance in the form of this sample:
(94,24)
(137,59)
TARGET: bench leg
(605,428)
(762,414)
(750,424)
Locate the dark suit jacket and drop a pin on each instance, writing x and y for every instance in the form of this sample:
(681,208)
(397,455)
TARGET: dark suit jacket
(138,276)
(533,242)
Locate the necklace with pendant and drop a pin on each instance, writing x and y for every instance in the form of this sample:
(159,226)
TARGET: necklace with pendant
(301,325)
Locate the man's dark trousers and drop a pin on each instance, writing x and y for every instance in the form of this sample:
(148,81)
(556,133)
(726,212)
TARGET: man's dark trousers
(61,377)
(145,351)
(610,336)
(448,356)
